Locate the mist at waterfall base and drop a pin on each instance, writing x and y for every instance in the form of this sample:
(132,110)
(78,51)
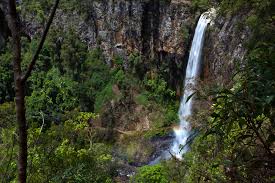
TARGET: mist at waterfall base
(183,132)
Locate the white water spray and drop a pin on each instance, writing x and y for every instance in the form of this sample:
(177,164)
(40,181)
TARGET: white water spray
(182,133)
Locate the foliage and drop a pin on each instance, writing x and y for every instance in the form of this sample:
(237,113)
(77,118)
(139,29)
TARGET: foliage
(7,113)
(165,1)
(142,99)
(184,31)
(105,95)
(94,76)
(232,7)
(6,76)
(201,5)
(135,64)
(74,158)
(158,88)
(63,153)
(52,95)
(152,174)
(228,6)
(37,9)
(157,132)
(171,114)
(118,61)
(203,165)
(73,54)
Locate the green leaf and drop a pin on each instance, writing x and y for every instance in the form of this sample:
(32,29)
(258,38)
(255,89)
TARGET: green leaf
(190,96)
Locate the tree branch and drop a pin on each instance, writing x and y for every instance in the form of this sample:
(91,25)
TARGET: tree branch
(35,57)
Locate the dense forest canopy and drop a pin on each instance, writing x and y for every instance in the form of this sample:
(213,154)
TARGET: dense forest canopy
(84,110)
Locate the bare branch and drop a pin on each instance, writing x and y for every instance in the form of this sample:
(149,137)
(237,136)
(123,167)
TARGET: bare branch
(35,57)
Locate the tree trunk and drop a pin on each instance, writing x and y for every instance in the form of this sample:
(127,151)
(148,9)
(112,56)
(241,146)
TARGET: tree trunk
(14,25)
(22,130)
(20,82)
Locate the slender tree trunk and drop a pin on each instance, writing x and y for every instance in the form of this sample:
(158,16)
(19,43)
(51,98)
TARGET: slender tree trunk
(22,130)
(20,81)
(14,26)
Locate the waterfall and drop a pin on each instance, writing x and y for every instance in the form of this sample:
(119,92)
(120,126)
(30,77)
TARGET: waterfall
(183,132)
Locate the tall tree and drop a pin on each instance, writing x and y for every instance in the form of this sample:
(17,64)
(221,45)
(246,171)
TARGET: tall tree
(20,79)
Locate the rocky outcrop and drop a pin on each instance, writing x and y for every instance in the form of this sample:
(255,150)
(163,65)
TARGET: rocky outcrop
(224,48)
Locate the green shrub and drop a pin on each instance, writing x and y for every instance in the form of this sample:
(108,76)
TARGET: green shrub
(158,89)
(142,99)
(52,94)
(6,75)
(201,5)
(158,132)
(171,115)
(118,61)
(184,31)
(103,96)
(135,63)
(94,76)
(151,174)
(73,54)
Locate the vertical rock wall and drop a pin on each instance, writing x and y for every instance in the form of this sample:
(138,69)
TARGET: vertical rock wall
(153,28)
(224,48)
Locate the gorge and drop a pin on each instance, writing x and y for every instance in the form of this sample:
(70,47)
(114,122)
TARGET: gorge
(141,91)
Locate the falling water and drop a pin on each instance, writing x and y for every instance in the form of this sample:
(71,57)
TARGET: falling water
(182,133)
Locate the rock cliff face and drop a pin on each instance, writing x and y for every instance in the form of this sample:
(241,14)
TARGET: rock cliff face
(146,26)
(157,29)
(224,48)
(160,30)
